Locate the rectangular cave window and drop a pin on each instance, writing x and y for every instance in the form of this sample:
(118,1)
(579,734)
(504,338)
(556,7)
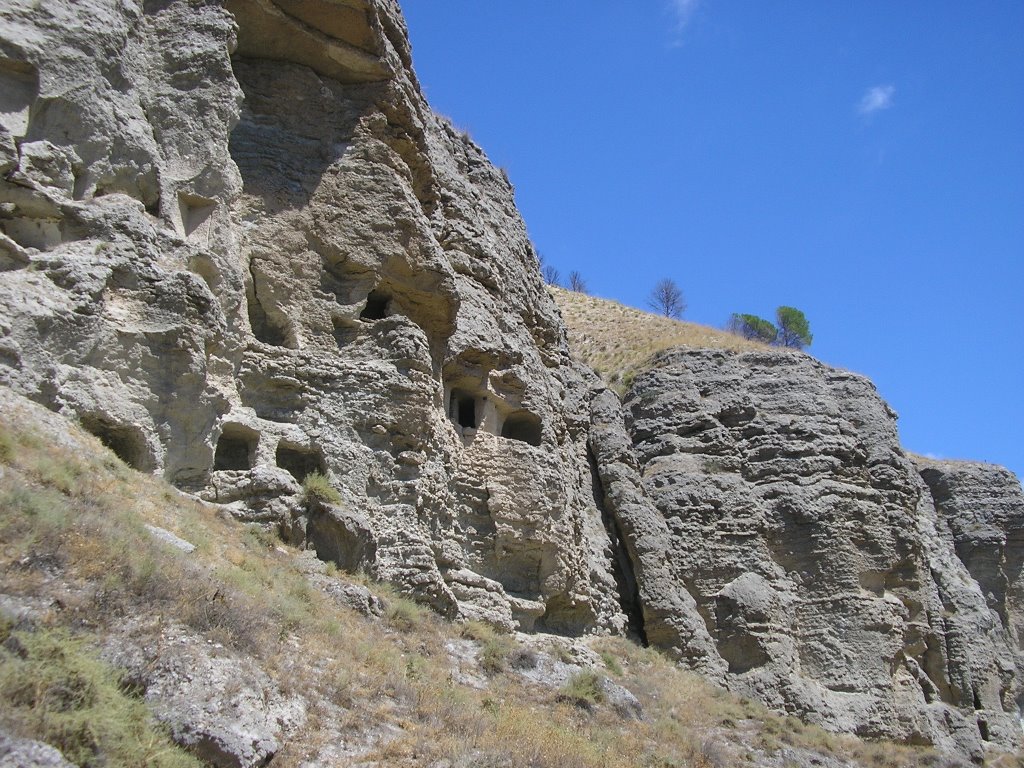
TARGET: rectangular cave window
(195,214)
(463,408)
(19,87)
(300,462)
(236,448)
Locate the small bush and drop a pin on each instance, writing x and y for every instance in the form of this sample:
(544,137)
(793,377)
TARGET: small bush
(523,658)
(584,689)
(404,614)
(495,648)
(316,487)
(8,445)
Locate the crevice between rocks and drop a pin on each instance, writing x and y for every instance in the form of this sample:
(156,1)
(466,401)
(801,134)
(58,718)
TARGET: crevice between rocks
(623,568)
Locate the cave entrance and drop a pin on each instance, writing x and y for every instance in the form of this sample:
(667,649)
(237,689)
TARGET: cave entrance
(376,305)
(236,448)
(300,462)
(523,426)
(127,442)
(463,408)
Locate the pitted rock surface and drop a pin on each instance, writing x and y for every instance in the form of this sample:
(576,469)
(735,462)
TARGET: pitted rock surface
(240,248)
(830,582)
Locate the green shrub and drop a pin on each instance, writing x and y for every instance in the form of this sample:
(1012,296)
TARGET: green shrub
(404,614)
(584,689)
(316,487)
(8,445)
(495,648)
(611,662)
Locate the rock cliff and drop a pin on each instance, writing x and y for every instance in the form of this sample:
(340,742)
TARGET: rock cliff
(835,582)
(239,248)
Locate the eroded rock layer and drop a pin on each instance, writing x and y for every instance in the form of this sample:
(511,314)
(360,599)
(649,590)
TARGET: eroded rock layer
(240,248)
(833,582)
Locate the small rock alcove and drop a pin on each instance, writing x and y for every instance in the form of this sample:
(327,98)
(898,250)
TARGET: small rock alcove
(523,426)
(300,462)
(377,304)
(236,448)
(195,215)
(269,323)
(127,442)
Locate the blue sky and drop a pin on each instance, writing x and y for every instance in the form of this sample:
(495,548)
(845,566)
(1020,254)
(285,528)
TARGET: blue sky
(861,161)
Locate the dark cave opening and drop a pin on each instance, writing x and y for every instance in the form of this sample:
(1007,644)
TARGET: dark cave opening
(622,563)
(127,442)
(236,448)
(463,408)
(523,426)
(300,462)
(376,306)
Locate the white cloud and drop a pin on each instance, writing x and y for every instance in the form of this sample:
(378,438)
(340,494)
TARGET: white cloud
(683,11)
(876,99)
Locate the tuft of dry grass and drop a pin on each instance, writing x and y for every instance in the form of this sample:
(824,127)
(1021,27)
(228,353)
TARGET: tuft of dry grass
(617,340)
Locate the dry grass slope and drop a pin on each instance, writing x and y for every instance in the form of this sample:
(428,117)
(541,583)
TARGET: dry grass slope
(73,539)
(617,341)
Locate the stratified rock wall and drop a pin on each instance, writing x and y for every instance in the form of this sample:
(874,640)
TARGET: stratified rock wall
(239,247)
(832,584)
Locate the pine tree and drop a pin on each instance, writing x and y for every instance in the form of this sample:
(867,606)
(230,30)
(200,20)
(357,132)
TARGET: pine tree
(794,330)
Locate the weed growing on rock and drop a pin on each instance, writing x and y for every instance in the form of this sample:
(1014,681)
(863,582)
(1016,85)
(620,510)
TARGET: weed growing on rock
(316,487)
(404,614)
(611,663)
(496,648)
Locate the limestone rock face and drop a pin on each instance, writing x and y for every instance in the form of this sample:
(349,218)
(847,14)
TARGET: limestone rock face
(833,583)
(239,247)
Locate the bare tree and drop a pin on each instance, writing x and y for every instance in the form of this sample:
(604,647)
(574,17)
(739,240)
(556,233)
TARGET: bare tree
(667,299)
(551,275)
(577,283)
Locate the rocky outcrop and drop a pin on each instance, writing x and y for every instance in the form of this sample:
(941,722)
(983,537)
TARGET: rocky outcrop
(224,709)
(25,753)
(240,248)
(833,583)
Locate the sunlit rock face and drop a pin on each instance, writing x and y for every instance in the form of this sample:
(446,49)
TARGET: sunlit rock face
(834,584)
(238,246)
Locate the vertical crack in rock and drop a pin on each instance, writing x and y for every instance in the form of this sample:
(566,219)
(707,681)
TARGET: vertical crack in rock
(623,570)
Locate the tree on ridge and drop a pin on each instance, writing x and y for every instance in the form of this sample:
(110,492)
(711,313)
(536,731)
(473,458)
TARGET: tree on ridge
(753,327)
(551,275)
(577,283)
(667,299)
(794,330)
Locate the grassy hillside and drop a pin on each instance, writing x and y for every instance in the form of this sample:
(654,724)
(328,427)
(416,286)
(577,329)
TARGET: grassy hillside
(80,573)
(616,340)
